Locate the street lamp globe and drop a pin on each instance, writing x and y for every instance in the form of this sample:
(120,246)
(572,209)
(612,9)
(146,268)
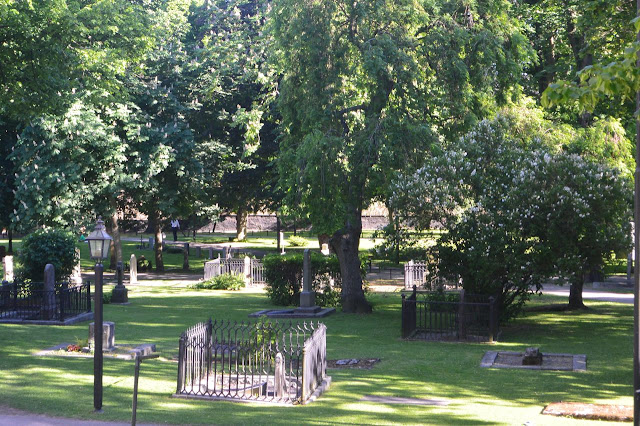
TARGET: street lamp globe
(99,242)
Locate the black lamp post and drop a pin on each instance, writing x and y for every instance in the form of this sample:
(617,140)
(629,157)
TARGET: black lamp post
(99,243)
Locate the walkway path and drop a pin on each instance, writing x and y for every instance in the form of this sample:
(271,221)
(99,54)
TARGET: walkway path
(13,417)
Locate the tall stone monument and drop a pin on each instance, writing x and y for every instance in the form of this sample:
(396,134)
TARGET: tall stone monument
(133,269)
(281,239)
(76,275)
(308,307)
(307,296)
(7,266)
(120,292)
(48,307)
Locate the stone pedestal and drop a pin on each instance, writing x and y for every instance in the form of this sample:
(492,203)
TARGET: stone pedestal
(119,294)
(108,335)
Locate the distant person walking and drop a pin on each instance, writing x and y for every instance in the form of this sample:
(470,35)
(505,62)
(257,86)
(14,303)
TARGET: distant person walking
(175,225)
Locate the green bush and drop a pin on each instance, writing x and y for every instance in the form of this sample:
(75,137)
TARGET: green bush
(221,282)
(45,246)
(106,297)
(144,264)
(295,241)
(284,278)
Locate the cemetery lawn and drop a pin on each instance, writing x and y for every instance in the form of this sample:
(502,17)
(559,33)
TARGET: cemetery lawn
(447,371)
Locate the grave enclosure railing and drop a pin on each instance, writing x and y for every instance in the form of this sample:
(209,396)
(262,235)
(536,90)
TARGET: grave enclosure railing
(32,302)
(260,361)
(426,276)
(251,269)
(469,318)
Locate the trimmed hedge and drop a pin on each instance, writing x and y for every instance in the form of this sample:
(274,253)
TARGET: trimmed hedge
(43,246)
(283,275)
(221,282)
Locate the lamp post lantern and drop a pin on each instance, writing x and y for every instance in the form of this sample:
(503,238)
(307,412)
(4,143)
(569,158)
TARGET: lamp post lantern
(99,244)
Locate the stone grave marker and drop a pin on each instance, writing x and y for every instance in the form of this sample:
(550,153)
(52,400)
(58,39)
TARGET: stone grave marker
(108,335)
(133,269)
(307,296)
(120,292)
(76,275)
(281,239)
(7,265)
(48,307)
(325,249)
(210,253)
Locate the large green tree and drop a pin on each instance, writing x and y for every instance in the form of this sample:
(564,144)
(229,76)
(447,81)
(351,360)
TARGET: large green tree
(366,88)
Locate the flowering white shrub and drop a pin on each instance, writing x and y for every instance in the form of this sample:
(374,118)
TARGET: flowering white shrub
(516,212)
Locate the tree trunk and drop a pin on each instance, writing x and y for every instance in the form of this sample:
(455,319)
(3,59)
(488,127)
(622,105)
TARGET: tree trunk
(345,243)
(575,295)
(157,249)
(115,233)
(10,240)
(241,223)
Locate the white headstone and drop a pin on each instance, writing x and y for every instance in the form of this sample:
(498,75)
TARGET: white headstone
(325,249)
(133,269)
(247,271)
(76,275)
(7,265)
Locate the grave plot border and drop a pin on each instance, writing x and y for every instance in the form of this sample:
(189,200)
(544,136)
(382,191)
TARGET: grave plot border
(260,361)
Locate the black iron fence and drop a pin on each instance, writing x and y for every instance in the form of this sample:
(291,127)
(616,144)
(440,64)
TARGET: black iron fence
(262,361)
(29,301)
(449,316)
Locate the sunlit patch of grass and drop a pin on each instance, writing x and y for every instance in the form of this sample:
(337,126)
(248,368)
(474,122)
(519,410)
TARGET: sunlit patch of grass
(433,370)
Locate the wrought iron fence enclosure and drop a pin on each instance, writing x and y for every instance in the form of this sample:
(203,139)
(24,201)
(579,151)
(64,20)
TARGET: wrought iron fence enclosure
(449,316)
(259,361)
(419,273)
(250,269)
(29,301)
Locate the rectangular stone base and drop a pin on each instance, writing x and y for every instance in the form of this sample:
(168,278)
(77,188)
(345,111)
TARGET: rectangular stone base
(295,313)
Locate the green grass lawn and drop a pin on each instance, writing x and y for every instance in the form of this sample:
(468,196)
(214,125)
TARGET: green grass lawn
(449,371)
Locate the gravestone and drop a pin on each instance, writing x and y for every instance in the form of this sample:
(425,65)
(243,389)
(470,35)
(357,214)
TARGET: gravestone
(307,296)
(210,253)
(247,271)
(281,239)
(133,269)
(7,265)
(120,292)
(108,335)
(325,249)
(532,356)
(76,275)
(48,307)
(280,380)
